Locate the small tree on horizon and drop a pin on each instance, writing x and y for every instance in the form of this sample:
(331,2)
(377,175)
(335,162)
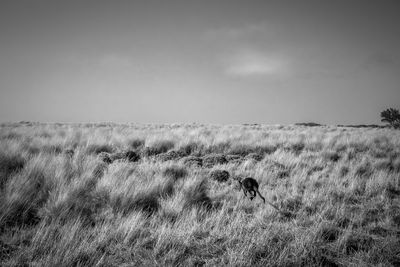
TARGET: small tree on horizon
(391,116)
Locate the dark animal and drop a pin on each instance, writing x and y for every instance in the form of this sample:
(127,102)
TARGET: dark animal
(250,185)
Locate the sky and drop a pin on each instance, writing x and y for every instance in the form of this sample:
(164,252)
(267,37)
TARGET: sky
(224,62)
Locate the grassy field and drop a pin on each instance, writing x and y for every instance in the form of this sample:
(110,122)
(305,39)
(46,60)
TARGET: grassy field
(152,195)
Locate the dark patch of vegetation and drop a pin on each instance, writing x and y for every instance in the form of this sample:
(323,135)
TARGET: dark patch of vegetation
(331,156)
(314,169)
(392,117)
(158,148)
(136,143)
(193,161)
(29,193)
(192,148)
(52,149)
(356,242)
(214,159)
(329,233)
(132,156)
(98,148)
(364,169)
(235,159)
(219,175)
(361,126)
(129,155)
(308,124)
(295,148)
(254,156)
(105,157)
(344,170)
(69,152)
(146,202)
(243,150)
(175,172)
(9,164)
(170,155)
(196,196)
(99,170)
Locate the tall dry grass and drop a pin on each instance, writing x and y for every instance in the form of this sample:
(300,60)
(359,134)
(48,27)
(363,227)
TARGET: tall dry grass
(62,205)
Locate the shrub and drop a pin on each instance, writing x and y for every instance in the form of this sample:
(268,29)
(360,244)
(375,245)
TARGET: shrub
(219,175)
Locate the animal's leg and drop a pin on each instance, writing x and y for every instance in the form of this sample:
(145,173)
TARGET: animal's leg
(244,191)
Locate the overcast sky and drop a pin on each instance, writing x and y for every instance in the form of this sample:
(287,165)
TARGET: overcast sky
(275,62)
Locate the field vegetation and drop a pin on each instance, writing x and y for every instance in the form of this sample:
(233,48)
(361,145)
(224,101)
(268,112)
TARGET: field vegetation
(157,195)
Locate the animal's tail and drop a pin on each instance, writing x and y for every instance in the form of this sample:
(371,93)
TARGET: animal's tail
(272,205)
(258,192)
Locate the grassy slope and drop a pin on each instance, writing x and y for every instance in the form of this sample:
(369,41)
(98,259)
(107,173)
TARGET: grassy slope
(340,185)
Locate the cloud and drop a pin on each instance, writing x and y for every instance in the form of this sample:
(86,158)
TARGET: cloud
(252,63)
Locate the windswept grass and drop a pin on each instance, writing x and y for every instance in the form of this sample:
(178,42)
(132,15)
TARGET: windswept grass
(112,195)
